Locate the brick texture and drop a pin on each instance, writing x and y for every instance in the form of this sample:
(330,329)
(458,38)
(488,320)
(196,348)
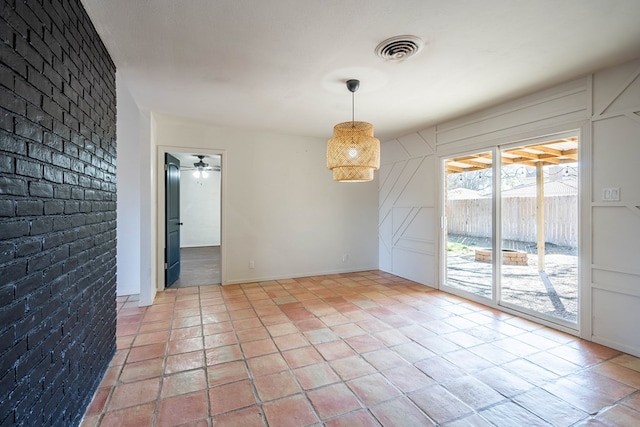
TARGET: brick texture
(57,212)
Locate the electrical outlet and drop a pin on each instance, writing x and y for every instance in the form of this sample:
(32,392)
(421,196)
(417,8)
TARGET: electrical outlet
(252,264)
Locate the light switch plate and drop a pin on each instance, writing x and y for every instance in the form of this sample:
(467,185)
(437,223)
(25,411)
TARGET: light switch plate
(611,194)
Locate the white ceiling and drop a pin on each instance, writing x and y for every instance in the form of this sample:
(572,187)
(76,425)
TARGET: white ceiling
(280,65)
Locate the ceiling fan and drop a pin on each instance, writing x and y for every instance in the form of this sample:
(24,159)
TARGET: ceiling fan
(202,169)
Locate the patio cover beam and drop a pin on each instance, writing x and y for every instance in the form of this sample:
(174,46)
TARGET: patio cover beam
(545,154)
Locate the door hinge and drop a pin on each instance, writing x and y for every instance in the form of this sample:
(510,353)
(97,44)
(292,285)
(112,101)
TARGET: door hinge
(166,265)
(166,167)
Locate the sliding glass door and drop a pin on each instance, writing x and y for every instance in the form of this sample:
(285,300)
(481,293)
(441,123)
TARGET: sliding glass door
(469,224)
(539,229)
(531,211)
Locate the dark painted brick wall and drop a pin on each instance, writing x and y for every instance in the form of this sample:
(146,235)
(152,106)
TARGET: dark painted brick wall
(57,212)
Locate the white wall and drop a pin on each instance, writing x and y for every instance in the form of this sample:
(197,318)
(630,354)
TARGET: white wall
(281,207)
(615,287)
(199,209)
(135,268)
(148,219)
(407,209)
(128,192)
(410,200)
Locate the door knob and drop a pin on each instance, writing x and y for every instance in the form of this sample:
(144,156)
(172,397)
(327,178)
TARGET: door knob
(180,223)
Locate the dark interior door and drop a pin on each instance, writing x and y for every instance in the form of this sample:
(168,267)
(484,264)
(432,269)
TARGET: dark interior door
(172,219)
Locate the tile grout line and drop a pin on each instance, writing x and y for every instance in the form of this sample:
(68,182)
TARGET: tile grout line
(323,292)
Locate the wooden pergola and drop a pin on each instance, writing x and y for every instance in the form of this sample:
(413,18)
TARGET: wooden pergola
(554,152)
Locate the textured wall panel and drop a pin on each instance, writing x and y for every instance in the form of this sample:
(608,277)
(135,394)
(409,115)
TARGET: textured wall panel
(615,289)
(414,266)
(615,320)
(616,233)
(534,111)
(406,213)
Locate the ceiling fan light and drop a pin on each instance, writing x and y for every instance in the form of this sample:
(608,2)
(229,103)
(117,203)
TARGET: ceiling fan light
(204,174)
(196,174)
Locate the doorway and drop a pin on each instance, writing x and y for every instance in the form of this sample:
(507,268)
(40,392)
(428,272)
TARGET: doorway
(511,228)
(200,198)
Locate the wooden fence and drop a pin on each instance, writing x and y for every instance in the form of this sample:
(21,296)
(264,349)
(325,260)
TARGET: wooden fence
(472,217)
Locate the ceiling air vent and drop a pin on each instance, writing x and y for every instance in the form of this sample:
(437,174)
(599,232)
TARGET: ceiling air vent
(399,48)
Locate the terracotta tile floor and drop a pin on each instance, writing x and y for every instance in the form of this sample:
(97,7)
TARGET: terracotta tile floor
(359,349)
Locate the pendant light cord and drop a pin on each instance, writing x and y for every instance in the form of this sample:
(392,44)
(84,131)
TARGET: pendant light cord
(353,85)
(353,109)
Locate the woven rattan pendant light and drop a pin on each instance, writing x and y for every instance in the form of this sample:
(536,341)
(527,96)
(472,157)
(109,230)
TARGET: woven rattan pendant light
(353,153)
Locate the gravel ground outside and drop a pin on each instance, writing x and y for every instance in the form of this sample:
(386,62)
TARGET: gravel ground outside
(553,292)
